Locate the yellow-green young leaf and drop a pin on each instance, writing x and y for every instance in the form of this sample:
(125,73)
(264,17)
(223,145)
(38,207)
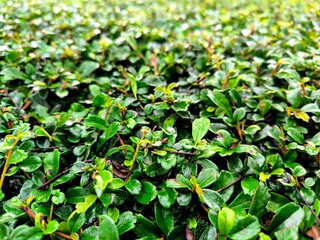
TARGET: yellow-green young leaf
(17,156)
(51,227)
(200,127)
(302,115)
(263,236)
(264,176)
(88,201)
(226,219)
(102,179)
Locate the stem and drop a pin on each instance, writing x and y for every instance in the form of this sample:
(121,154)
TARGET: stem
(174,151)
(53,179)
(7,163)
(230,184)
(308,206)
(31,214)
(144,132)
(238,127)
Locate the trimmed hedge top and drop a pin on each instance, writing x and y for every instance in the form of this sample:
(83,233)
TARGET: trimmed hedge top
(156,120)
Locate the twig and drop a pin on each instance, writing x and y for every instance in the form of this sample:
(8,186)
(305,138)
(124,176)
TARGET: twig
(230,184)
(54,178)
(174,151)
(144,133)
(28,211)
(7,162)
(58,176)
(308,205)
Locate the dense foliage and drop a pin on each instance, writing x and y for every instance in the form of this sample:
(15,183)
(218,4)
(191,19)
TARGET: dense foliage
(158,120)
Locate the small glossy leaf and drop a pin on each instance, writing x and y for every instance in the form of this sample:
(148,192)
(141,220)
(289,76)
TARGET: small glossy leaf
(31,164)
(18,156)
(221,101)
(51,163)
(200,127)
(147,194)
(164,218)
(51,227)
(126,222)
(259,201)
(167,196)
(239,114)
(87,67)
(134,186)
(96,122)
(245,228)
(288,216)
(249,185)
(108,229)
(206,177)
(212,199)
(146,228)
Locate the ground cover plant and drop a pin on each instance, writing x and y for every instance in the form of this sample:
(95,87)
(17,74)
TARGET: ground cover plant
(159,120)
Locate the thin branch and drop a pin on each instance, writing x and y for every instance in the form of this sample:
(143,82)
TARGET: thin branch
(174,151)
(230,184)
(53,179)
(308,206)
(28,211)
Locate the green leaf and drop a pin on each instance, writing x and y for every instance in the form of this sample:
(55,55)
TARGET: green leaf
(51,227)
(264,106)
(126,222)
(17,156)
(226,220)
(239,114)
(147,194)
(212,199)
(296,135)
(200,127)
(164,218)
(183,182)
(259,201)
(134,186)
(132,42)
(245,228)
(294,98)
(96,122)
(112,130)
(291,233)
(289,74)
(24,232)
(206,177)
(14,73)
(133,84)
(76,195)
(288,216)
(77,222)
(249,185)
(30,164)
(224,138)
(167,196)
(221,101)
(108,229)
(145,228)
(87,67)
(299,171)
(51,163)
(91,233)
(311,107)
